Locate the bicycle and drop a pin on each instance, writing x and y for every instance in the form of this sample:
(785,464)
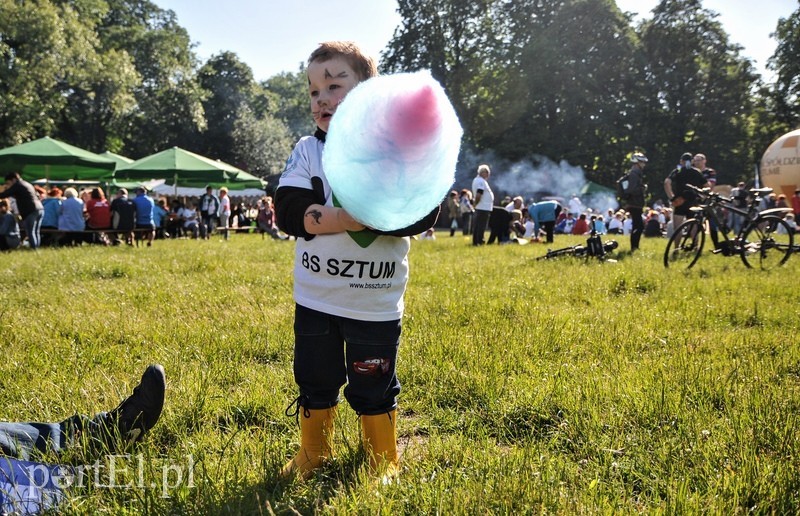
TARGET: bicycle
(594,247)
(759,241)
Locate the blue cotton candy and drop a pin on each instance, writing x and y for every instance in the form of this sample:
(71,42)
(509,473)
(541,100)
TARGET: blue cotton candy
(391,150)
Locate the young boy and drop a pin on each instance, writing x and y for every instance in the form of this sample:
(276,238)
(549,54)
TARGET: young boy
(348,286)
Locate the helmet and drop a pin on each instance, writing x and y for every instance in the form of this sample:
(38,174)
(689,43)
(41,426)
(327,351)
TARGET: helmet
(686,156)
(638,157)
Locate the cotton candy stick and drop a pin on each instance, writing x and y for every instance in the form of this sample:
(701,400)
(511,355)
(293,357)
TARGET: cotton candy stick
(391,150)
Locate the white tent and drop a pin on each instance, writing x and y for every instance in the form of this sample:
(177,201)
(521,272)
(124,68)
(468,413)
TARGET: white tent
(185,191)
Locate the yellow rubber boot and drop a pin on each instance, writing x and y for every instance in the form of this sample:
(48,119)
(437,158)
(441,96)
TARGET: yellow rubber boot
(316,442)
(380,442)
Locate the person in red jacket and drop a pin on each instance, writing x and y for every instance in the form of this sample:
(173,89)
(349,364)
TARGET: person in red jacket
(98,213)
(581,227)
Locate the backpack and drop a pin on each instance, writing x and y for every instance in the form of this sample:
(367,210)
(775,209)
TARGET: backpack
(623,186)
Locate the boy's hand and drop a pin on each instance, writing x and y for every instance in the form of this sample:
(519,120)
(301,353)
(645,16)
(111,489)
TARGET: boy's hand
(348,222)
(321,220)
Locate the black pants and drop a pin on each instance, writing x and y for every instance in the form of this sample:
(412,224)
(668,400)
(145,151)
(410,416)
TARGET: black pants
(499,225)
(549,228)
(330,351)
(637,226)
(479,223)
(550,225)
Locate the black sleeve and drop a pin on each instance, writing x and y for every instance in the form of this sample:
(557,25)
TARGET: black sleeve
(416,228)
(700,180)
(11,191)
(291,203)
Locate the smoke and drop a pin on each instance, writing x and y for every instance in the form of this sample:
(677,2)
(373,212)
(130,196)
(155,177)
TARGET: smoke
(533,179)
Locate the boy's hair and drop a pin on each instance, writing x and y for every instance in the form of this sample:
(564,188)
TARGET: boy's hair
(3,203)
(362,64)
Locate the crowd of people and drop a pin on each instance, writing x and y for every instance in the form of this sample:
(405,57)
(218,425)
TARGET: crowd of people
(474,211)
(70,217)
(33,216)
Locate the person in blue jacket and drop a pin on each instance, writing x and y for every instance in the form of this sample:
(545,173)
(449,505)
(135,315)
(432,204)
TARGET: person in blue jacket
(144,215)
(544,215)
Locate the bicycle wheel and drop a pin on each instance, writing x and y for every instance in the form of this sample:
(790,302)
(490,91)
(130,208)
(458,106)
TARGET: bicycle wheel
(767,243)
(610,245)
(685,245)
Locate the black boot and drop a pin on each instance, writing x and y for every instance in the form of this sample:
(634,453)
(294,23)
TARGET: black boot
(140,411)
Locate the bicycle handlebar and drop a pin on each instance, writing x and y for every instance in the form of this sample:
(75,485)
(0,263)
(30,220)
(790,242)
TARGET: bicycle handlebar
(707,193)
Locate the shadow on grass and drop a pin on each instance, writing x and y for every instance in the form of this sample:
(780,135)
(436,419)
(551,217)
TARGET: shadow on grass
(275,495)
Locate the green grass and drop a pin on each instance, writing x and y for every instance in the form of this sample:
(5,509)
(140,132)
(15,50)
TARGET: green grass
(563,386)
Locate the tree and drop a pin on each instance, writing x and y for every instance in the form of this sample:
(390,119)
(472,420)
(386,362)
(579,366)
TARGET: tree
(100,102)
(260,144)
(229,87)
(242,129)
(572,82)
(169,99)
(785,62)
(448,37)
(42,48)
(288,93)
(699,88)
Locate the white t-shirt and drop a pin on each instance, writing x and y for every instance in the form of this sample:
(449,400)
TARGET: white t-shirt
(333,273)
(529,227)
(487,199)
(189,215)
(575,206)
(225,206)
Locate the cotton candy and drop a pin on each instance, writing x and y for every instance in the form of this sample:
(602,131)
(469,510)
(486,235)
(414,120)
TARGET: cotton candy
(391,150)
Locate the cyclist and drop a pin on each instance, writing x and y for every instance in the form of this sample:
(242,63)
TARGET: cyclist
(681,196)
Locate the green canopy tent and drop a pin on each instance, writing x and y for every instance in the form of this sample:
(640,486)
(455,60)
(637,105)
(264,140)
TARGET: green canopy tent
(592,188)
(54,160)
(121,161)
(178,167)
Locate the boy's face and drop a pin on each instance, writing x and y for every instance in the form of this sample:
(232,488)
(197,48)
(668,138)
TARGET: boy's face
(328,84)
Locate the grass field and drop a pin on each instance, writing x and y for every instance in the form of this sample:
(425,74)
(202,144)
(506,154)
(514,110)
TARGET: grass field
(563,386)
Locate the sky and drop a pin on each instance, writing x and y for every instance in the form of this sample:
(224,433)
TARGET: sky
(273,36)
